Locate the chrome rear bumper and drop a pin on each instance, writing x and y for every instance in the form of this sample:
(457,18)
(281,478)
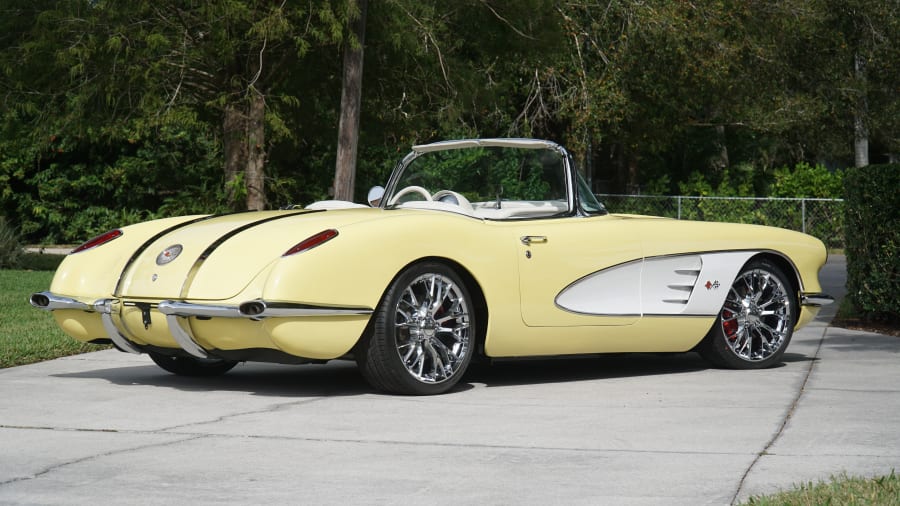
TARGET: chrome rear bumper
(51,302)
(176,312)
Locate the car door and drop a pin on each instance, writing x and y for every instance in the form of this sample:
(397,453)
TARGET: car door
(579,271)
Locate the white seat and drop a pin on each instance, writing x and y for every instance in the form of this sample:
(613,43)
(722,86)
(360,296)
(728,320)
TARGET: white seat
(518,209)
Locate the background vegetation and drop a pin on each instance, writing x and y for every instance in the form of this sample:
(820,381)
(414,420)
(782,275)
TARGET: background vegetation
(844,490)
(113,112)
(28,335)
(873,242)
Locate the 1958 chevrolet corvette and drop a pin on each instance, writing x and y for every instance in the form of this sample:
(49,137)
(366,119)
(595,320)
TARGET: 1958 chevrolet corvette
(493,248)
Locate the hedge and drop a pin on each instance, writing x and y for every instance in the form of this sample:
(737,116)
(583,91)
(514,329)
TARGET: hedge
(10,245)
(872,240)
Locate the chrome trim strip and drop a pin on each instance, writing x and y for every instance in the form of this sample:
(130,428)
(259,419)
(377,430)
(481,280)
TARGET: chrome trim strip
(269,309)
(276,309)
(105,308)
(184,338)
(173,308)
(815,299)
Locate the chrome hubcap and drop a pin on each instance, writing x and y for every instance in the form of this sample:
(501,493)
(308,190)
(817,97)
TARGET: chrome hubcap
(756,316)
(432,328)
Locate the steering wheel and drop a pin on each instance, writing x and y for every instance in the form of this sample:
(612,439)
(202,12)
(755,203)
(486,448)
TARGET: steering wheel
(410,189)
(451,197)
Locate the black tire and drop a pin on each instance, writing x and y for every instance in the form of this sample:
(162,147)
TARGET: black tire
(423,334)
(756,322)
(190,366)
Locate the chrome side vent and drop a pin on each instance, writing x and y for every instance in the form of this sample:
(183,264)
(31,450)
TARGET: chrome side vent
(668,283)
(684,295)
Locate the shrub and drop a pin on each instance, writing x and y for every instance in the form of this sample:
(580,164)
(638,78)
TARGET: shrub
(10,245)
(872,240)
(811,181)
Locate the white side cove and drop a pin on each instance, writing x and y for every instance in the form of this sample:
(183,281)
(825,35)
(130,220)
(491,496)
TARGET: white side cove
(690,285)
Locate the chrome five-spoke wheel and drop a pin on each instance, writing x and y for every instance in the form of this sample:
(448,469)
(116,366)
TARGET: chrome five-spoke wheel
(756,321)
(423,334)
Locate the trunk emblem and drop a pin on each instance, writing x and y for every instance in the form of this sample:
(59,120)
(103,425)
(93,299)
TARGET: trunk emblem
(168,254)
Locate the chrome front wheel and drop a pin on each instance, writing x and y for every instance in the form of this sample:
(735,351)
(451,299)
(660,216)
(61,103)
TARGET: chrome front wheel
(756,321)
(423,334)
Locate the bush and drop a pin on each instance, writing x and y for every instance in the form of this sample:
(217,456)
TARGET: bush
(71,188)
(872,241)
(40,261)
(810,181)
(10,245)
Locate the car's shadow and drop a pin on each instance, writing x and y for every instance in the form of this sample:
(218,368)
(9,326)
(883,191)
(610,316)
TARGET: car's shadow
(342,378)
(626,365)
(337,378)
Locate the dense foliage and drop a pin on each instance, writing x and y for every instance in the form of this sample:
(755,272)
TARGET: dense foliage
(10,245)
(873,240)
(113,111)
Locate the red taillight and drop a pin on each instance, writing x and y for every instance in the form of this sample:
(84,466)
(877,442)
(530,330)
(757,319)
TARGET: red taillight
(311,242)
(99,240)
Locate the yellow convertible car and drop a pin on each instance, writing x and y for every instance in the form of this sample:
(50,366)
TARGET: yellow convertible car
(490,248)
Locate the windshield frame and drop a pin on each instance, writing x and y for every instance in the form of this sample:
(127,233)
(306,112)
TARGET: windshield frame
(572,186)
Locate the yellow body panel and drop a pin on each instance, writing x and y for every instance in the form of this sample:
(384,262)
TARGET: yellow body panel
(81,325)
(518,282)
(651,334)
(564,255)
(93,274)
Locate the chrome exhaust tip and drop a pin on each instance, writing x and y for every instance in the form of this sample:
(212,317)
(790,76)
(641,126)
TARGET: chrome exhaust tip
(40,300)
(252,308)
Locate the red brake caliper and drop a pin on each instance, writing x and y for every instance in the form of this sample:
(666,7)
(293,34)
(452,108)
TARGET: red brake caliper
(729,324)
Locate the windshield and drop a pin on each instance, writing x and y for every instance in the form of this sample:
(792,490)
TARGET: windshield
(494,179)
(486,180)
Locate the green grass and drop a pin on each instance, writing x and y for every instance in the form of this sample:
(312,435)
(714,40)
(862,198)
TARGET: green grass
(881,491)
(28,335)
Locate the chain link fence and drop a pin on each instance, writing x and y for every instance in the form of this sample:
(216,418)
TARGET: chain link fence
(822,218)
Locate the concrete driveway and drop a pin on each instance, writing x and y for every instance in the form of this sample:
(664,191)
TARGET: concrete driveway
(112,428)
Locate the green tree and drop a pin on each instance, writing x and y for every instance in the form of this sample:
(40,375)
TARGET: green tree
(129,67)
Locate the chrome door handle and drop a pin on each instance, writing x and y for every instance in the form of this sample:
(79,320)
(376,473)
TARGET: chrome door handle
(528,240)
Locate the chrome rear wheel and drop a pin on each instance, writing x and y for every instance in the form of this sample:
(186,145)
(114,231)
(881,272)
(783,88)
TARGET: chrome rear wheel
(431,323)
(423,334)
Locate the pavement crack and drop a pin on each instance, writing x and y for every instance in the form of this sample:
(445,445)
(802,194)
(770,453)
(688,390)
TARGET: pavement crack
(269,409)
(61,429)
(95,456)
(787,418)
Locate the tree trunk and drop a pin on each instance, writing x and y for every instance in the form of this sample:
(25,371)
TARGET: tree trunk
(721,160)
(633,186)
(860,132)
(235,152)
(348,127)
(621,177)
(255,177)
